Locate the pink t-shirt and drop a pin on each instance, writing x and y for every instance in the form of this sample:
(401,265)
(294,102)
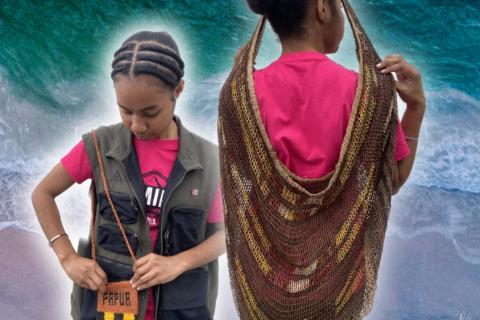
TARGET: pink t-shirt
(305,101)
(155,174)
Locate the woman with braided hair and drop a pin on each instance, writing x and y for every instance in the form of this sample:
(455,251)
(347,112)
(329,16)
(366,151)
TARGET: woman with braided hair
(157,219)
(308,31)
(310,155)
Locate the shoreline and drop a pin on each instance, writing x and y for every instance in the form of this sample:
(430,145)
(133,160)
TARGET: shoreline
(32,283)
(419,278)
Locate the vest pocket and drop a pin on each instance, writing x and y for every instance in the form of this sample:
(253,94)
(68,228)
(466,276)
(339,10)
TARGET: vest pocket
(116,271)
(186,296)
(110,238)
(183,229)
(125,203)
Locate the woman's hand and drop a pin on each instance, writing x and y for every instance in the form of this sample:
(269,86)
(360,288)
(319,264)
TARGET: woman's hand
(154,269)
(409,84)
(84,272)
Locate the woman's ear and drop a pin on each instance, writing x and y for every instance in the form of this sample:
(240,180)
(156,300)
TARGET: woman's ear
(179,88)
(322,10)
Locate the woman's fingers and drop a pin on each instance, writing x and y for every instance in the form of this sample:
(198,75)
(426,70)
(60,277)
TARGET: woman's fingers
(140,272)
(404,71)
(97,282)
(148,283)
(143,280)
(396,63)
(88,283)
(140,262)
(397,67)
(389,60)
(99,271)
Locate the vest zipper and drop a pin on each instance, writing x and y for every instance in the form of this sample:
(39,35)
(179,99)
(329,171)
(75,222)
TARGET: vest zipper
(161,233)
(162,218)
(138,201)
(167,233)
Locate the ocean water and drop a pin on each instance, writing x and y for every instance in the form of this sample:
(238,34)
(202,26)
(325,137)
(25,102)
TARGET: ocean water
(54,85)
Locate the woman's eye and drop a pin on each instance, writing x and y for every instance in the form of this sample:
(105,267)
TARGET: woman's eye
(152,114)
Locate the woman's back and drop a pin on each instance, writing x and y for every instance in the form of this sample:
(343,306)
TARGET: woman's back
(305,101)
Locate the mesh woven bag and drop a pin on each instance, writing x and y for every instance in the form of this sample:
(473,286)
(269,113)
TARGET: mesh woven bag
(306,248)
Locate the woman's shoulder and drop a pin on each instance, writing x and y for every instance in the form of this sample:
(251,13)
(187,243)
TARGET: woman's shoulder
(204,150)
(112,129)
(109,131)
(342,70)
(203,145)
(106,135)
(344,77)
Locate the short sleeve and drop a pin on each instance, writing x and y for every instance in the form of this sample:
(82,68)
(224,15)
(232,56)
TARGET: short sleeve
(215,212)
(76,163)
(402,149)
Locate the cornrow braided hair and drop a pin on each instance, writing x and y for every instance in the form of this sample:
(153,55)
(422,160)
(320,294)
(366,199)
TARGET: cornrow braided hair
(146,52)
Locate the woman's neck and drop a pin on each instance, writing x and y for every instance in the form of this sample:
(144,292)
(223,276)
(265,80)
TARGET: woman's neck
(295,45)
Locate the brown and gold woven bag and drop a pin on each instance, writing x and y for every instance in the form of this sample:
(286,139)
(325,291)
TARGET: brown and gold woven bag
(306,248)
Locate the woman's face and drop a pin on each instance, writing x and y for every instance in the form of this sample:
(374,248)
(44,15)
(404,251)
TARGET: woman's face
(147,105)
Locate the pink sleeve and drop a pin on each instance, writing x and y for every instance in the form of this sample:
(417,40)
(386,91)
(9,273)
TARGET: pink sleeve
(215,213)
(402,147)
(76,163)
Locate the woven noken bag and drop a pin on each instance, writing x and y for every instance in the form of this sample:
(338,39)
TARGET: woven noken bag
(306,248)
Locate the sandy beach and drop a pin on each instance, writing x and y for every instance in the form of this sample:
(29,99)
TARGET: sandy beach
(420,278)
(32,282)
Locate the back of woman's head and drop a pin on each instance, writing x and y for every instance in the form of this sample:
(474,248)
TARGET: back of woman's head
(287,17)
(147,52)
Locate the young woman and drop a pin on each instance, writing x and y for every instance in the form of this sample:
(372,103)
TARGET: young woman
(305,98)
(310,155)
(163,181)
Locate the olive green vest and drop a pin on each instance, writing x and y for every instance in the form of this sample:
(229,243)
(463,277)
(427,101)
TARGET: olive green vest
(189,193)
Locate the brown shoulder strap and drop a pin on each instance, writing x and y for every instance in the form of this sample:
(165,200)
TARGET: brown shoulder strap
(107,192)
(93,197)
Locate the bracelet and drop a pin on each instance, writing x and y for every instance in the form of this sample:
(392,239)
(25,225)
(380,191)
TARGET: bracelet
(411,138)
(50,242)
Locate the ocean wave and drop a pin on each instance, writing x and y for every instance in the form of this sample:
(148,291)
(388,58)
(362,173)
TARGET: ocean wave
(17,181)
(418,210)
(447,165)
(30,130)
(34,138)
(448,154)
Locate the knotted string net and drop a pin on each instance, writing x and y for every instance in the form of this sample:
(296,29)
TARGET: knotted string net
(306,248)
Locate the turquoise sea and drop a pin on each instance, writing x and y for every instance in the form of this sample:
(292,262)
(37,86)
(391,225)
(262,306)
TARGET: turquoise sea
(54,85)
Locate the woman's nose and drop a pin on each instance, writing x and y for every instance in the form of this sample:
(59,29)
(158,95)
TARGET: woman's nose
(139,125)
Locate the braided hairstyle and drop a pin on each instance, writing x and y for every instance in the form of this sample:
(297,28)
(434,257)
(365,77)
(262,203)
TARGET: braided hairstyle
(153,53)
(285,16)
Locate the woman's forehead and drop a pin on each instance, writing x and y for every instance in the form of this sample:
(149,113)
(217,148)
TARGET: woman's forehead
(140,91)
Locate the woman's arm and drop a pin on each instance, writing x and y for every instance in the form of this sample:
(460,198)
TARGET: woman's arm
(154,269)
(208,250)
(411,123)
(85,272)
(410,89)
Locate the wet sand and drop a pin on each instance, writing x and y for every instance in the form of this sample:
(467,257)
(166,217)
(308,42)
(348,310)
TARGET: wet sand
(32,282)
(420,278)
